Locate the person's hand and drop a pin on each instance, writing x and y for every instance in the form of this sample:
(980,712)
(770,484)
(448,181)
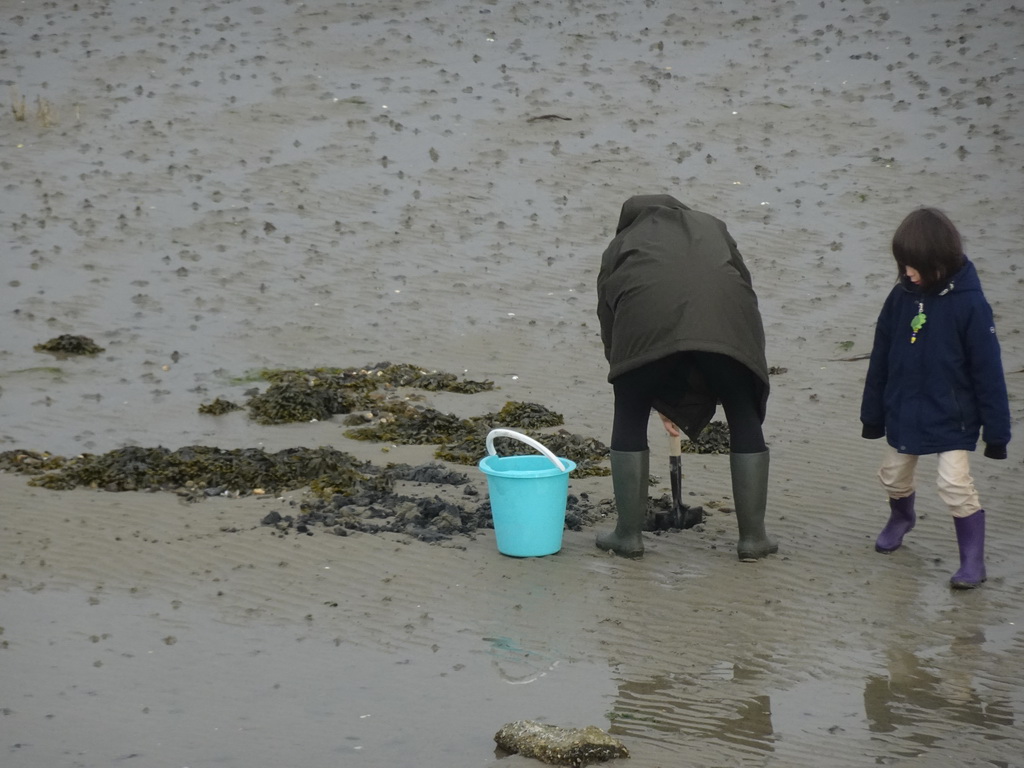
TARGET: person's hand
(872,431)
(670,427)
(993,451)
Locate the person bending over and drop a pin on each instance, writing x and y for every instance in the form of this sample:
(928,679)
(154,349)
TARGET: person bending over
(682,333)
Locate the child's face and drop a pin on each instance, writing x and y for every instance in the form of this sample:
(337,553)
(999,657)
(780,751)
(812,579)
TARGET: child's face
(913,275)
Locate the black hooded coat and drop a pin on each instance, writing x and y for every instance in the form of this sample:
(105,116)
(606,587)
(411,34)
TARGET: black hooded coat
(672,280)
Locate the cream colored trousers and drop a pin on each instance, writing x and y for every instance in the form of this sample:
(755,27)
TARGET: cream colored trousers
(956,486)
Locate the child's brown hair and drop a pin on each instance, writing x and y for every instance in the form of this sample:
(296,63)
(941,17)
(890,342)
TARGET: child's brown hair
(927,241)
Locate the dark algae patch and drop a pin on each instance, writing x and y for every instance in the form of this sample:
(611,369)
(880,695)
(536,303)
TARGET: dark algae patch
(376,407)
(67,344)
(437,504)
(429,502)
(211,470)
(316,394)
(713,439)
(219,407)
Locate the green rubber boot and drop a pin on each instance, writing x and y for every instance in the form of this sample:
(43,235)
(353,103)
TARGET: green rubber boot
(750,494)
(630,479)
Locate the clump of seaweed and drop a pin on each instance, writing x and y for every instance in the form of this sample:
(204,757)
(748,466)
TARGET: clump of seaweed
(67,344)
(382,375)
(438,512)
(378,508)
(309,395)
(586,452)
(209,470)
(297,400)
(528,416)
(464,441)
(405,375)
(29,462)
(316,394)
(713,439)
(411,425)
(375,411)
(219,407)
(345,494)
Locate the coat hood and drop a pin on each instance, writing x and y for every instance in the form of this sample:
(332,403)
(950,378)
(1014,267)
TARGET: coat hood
(636,205)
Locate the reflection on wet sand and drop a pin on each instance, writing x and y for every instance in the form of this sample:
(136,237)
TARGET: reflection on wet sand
(914,704)
(663,705)
(915,695)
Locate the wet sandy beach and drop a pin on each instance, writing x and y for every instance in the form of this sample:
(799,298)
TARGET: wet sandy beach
(211,188)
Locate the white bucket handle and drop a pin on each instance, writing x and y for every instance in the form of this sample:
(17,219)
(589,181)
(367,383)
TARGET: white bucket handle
(522,438)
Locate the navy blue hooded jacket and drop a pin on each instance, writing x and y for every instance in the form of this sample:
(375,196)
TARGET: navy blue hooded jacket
(937,392)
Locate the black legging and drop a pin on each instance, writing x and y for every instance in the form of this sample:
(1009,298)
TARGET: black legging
(735,386)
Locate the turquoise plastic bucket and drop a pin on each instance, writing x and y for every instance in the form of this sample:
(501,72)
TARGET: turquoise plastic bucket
(528,497)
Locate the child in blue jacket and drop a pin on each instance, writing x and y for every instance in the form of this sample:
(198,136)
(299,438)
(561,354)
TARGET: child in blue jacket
(934,383)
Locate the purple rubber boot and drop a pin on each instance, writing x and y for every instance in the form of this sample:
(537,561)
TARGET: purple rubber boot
(901,520)
(970,536)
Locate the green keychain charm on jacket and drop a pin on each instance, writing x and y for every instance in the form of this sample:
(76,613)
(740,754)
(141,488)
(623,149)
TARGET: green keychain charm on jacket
(917,321)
